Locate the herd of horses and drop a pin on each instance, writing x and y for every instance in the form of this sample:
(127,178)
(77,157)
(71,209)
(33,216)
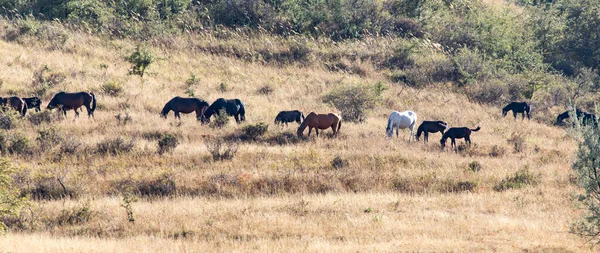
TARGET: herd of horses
(236,108)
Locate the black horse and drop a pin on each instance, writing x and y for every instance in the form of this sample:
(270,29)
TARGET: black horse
(233,107)
(15,103)
(33,102)
(72,101)
(585,117)
(185,105)
(517,107)
(430,127)
(458,133)
(289,116)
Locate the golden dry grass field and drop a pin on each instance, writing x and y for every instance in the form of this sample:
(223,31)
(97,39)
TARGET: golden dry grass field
(281,193)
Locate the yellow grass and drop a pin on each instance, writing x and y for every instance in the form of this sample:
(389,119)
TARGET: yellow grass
(391,196)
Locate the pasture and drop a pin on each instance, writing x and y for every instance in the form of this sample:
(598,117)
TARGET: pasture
(357,192)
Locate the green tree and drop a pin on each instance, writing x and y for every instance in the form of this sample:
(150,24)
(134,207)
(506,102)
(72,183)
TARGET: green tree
(10,202)
(141,59)
(587,168)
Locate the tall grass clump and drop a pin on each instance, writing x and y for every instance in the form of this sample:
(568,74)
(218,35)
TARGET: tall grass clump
(520,179)
(10,200)
(220,149)
(167,143)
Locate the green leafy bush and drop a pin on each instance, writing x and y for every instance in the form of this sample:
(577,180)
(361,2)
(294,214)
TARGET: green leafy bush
(353,101)
(167,143)
(140,59)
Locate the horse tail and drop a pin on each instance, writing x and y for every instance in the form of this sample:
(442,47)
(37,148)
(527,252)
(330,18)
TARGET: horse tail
(476,129)
(302,114)
(24,111)
(337,133)
(93,103)
(242,110)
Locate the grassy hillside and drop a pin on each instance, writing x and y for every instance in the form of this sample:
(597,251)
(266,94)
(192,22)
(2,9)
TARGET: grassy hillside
(511,191)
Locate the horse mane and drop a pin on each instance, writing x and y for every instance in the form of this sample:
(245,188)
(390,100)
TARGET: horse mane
(304,123)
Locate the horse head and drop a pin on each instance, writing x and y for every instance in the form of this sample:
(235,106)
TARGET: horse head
(504,111)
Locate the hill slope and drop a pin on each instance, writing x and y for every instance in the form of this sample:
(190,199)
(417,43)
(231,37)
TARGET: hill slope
(280,192)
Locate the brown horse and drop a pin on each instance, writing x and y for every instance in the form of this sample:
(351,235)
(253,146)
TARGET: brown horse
(72,101)
(321,121)
(185,105)
(15,103)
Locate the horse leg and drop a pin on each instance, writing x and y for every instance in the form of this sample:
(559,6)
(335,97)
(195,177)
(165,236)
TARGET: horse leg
(453,142)
(309,130)
(468,140)
(425,137)
(317,131)
(177,115)
(515,115)
(237,118)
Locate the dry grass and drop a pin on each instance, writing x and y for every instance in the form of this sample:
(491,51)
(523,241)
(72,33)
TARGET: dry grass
(391,194)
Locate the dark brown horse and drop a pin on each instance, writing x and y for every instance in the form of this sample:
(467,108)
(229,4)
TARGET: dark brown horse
(72,101)
(15,103)
(458,133)
(430,127)
(233,107)
(33,102)
(321,121)
(289,116)
(185,105)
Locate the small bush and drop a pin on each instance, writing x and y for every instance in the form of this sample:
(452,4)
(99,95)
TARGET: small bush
(114,146)
(167,143)
(220,119)
(475,166)
(69,145)
(497,151)
(19,144)
(140,59)
(48,138)
(265,90)
(522,178)
(38,118)
(253,132)
(123,119)
(338,162)
(7,121)
(223,87)
(518,142)
(221,150)
(76,215)
(112,88)
(44,79)
(11,202)
(353,101)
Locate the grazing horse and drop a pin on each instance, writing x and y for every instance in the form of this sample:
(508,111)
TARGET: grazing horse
(430,127)
(584,116)
(289,116)
(401,120)
(185,105)
(320,121)
(15,103)
(233,107)
(72,101)
(517,107)
(457,133)
(33,102)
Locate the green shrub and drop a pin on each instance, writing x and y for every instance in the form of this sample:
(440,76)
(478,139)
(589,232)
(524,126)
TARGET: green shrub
(112,88)
(167,143)
(38,118)
(76,215)
(253,132)
(475,166)
(353,101)
(19,144)
(220,119)
(10,202)
(140,59)
(220,149)
(114,146)
(520,179)
(338,162)
(7,121)
(49,138)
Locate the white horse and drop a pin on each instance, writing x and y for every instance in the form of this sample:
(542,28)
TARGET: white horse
(401,120)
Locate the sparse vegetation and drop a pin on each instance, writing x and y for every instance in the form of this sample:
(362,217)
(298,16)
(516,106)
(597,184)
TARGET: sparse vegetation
(450,60)
(167,143)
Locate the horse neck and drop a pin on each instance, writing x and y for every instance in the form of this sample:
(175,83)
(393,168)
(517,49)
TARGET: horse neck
(303,125)
(166,109)
(419,130)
